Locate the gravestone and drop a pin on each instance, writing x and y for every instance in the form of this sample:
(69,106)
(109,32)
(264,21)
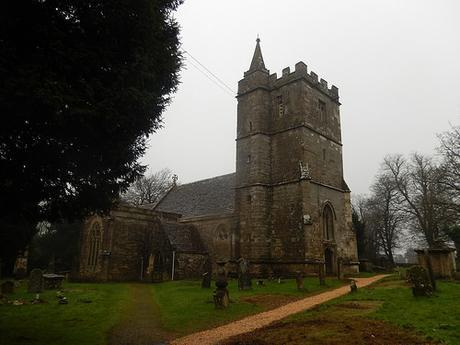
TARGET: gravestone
(420,281)
(7,287)
(244,278)
(35,281)
(321,275)
(206,280)
(299,280)
(353,286)
(221,295)
(207,274)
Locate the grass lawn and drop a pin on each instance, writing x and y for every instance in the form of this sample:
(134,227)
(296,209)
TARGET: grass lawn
(185,307)
(53,324)
(391,300)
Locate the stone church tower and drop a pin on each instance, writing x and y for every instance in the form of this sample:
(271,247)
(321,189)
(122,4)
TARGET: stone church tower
(286,208)
(291,201)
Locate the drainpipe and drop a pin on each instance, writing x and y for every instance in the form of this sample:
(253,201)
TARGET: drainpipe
(142,268)
(173,261)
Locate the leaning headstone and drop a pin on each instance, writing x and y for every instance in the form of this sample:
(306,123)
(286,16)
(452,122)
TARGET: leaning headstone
(299,280)
(7,287)
(244,278)
(206,280)
(321,275)
(35,281)
(221,295)
(420,281)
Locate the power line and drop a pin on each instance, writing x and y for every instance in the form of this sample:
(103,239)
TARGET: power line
(216,78)
(212,80)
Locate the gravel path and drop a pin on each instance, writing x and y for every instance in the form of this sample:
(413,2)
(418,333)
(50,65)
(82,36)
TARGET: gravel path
(254,322)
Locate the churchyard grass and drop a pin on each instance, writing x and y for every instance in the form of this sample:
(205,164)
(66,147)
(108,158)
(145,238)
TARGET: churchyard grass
(436,317)
(185,307)
(77,322)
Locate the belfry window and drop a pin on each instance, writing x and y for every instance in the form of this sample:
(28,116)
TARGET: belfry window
(94,244)
(248,160)
(328,223)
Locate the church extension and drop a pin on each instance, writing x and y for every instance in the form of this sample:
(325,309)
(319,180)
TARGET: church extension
(286,208)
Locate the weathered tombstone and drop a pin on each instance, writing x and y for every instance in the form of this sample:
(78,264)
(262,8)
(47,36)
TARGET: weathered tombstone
(244,278)
(418,278)
(321,275)
(221,295)
(299,280)
(7,287)
(353,286)
(207,274)
(206,280)
(35,281)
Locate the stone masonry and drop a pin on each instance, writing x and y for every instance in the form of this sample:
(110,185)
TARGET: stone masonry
(285,209)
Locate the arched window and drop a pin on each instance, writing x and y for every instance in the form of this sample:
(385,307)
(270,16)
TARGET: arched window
(328,223)
(94,244)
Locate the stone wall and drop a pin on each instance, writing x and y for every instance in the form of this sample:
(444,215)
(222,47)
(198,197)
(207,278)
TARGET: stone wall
(218,235)
(130,238)
(189,266)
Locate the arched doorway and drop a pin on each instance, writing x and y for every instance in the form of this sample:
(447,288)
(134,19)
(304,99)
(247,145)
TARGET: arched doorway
(329,260)
(158,268)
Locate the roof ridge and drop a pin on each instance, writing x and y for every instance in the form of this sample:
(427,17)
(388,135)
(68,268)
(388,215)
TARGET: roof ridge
(206,179)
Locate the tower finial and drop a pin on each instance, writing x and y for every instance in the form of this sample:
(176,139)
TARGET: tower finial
(257,63)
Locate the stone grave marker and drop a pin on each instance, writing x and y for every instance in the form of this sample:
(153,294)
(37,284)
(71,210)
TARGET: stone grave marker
(207,274)
(419,279)
(353,286)
(206,280)
(221,294)
(299,280)
(35,281)
(244,278)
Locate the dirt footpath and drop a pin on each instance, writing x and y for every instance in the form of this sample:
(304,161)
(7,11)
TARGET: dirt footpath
(257,321)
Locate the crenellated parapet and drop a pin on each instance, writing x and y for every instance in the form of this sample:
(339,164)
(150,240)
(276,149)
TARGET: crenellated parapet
(301,72)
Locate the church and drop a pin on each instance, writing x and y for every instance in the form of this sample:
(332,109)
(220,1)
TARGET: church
(286,207)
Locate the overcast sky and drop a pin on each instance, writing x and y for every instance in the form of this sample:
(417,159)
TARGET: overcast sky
(396,64)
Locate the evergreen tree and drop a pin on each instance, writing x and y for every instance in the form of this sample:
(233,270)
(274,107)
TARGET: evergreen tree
(82,85)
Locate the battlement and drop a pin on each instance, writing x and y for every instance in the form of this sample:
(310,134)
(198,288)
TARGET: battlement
(301,71)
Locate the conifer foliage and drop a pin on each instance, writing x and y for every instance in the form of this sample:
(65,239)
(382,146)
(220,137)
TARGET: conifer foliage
(82,85)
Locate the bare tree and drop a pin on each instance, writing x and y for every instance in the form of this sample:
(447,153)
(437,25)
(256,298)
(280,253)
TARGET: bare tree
(422,197)
(450,151)
(385,217)
(150,189)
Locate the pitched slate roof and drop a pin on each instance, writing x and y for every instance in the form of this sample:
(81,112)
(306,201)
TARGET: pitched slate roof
(206,197)
(184,237)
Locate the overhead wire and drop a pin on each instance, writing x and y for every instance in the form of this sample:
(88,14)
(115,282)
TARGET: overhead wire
(215,79)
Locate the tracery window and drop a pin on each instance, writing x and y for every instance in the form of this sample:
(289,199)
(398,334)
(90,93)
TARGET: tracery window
(95,236)
(328,223)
